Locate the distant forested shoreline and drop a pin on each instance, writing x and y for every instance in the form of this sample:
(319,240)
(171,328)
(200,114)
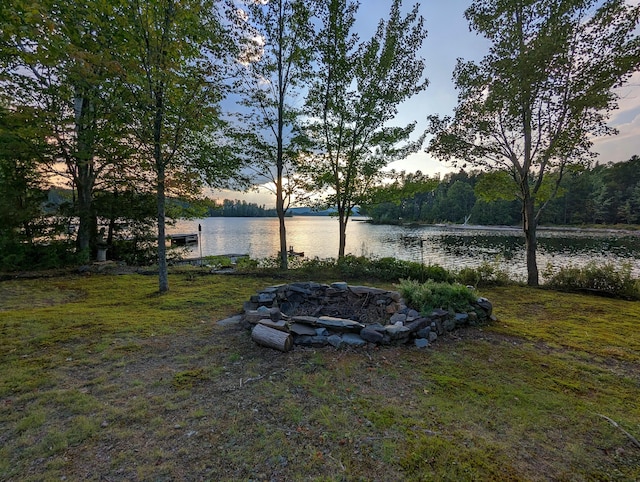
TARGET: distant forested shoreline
(606,194)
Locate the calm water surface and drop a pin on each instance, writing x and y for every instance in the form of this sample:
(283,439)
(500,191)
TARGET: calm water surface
(449,247)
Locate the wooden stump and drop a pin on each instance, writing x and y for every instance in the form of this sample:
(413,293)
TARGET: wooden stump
(263,335)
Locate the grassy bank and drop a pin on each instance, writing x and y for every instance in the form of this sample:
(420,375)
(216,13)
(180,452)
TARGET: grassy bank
(101,379)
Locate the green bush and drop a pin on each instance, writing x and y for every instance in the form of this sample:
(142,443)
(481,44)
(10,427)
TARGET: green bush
(16,256)
(382,269)
(486,274)
(430,295)
(600,278)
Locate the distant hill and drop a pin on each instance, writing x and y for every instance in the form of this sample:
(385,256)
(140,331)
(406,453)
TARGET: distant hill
(306,211)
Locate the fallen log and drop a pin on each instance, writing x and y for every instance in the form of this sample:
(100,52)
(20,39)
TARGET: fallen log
(263,335)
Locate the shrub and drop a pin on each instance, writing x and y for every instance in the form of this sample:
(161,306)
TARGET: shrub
(218,262)
(17,256)
(486,274)
(600,278)
(431,295)
(360,267)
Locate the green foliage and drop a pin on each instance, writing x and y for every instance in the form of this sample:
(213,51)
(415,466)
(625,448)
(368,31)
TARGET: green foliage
(22,256)
(356,92)
(605,278)
(430,295)
(487,274)
(495,185)
(350,267)
(383,269)
(532,106)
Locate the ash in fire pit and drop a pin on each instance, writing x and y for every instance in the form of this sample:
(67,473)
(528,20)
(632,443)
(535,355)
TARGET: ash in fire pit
(313,314)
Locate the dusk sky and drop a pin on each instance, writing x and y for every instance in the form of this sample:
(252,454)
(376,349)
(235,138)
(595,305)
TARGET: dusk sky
(449,38)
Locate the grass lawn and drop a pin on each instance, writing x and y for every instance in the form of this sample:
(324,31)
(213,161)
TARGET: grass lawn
(102,379)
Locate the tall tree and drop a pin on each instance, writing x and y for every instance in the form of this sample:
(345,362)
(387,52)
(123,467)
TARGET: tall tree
(546,87)
(358,90)
(56,59)
(277,61)
(175,72)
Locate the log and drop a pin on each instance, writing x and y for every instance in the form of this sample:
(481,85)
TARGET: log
(263,335)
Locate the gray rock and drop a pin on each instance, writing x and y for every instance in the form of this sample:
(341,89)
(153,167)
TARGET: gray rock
(319,341)
(253,316)
(322,331)
(270,290)
(397,332)
(462,319)
(439,313)
(303,340)
(395,296)
(353,339)
(302,329)
(372,335)
(433,336)
(339,324)
(266,297)
(436,326)
(416,325)
(448,324)
(377,327)
(335,341)
(421,342)
(423,332)
(412,315)
(397,317)
(366,290)
(234,320)
(486,305)
(340,285)
(307,320)
(300,289)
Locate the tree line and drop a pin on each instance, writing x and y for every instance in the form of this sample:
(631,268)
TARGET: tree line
(603,194)
(237,208)
(129,103)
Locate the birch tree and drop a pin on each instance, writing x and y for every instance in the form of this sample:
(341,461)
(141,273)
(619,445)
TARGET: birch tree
(277,62)
(355,98)
(536,101)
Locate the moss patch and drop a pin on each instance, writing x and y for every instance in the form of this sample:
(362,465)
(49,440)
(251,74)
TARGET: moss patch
(132,385)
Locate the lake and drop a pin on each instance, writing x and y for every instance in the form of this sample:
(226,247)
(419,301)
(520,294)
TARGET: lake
(447,246)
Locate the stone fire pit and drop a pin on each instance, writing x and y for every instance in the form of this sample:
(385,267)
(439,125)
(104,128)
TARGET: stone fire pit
(318,315)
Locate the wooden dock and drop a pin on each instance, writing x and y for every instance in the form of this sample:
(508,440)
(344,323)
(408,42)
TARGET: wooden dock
(183,239)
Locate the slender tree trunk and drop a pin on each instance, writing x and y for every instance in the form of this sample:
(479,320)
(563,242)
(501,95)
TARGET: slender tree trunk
(84,179)
(280,207)
(163,277)
(284,260)
(530,225)
(342,218)
(86,220)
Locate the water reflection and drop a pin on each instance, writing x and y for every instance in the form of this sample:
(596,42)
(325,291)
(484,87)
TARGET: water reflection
(448,247)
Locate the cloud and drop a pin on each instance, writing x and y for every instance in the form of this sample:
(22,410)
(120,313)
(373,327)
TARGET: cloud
(626,119)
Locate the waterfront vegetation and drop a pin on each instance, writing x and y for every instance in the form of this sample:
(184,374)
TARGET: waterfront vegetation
(102,378)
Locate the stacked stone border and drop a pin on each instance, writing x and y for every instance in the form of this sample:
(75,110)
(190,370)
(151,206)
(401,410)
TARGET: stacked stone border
(305,314)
